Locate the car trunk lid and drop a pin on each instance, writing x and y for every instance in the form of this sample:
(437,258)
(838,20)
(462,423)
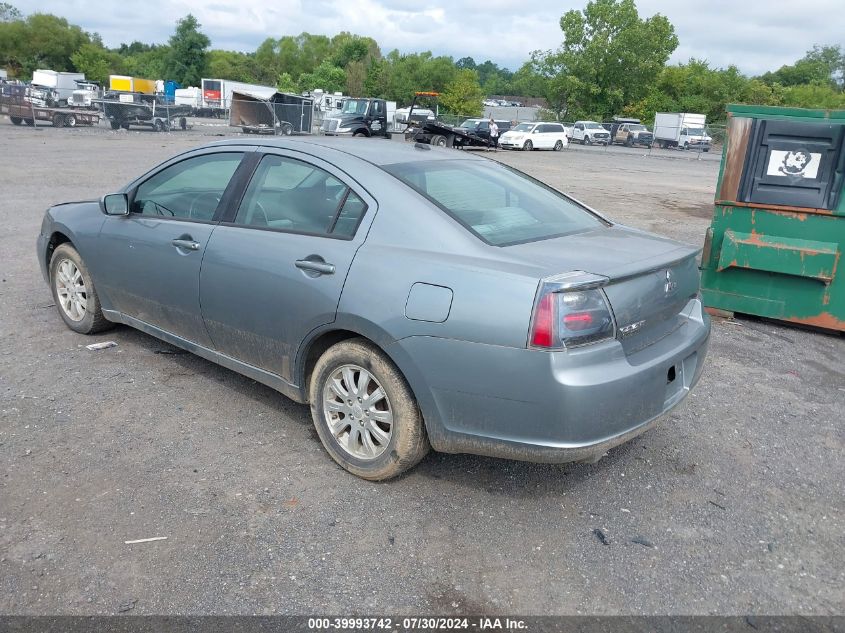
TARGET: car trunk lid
(652,279)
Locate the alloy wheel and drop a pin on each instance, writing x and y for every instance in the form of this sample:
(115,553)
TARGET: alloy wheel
(71,290)
(357,412)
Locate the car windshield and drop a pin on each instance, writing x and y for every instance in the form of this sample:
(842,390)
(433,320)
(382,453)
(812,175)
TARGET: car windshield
(593,126)
(638,128)
(354,106)
(695,131)
(470,124)
(524,127)
(499,205)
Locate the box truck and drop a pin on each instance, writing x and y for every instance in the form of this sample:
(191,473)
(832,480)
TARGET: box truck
(51,88)
(123,83)
(681,129)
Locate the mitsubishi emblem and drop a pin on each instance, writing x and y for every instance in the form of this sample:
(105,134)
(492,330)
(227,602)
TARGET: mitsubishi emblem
(670,284)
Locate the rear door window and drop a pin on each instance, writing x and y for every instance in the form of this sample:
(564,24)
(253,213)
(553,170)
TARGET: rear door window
(286,194)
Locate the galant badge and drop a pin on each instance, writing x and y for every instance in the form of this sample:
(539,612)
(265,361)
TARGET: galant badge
(670,284)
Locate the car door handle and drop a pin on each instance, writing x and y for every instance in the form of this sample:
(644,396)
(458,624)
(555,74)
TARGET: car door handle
(187,244)
(315,266)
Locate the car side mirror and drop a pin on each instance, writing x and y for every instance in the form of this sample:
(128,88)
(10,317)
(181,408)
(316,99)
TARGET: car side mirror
(115,204)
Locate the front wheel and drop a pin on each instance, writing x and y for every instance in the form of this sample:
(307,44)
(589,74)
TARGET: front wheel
(558,146)
(588,141)
(73,292)
(528,146)
(364,412)
(686,146)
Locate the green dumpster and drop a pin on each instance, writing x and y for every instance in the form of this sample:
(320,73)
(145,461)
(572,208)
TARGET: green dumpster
(774,247)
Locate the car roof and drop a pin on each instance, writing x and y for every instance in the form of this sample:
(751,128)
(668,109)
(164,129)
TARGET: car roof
(377,151)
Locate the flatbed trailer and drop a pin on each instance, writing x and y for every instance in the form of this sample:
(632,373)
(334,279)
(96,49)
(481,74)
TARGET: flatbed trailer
(438,133)
(19,110)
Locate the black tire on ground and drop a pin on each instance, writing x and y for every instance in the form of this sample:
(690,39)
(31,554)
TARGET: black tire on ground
(183,123)
(438,140)
(707,149)
(114,125)
(686,146)
(287,129)
(125,126)
(558,146)
(528,146)
(588,140)
(408,442)
(158,125)
(16,120)
(70,120)
(58,120)
(29,122)
(93,321)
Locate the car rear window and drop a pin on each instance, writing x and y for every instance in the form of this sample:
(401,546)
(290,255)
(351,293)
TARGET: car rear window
(499,205)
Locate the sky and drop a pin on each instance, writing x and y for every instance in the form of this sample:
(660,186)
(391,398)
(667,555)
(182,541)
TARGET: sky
(754,35)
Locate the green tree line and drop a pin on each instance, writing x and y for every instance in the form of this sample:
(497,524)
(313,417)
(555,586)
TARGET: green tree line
(611,61)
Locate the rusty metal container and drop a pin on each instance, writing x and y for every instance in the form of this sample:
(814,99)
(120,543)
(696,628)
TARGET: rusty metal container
(775,244)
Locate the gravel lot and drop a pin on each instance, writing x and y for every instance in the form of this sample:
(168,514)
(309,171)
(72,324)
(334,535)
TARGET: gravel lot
(733,506)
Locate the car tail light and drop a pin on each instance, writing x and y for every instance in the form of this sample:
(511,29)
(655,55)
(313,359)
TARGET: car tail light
(571,310)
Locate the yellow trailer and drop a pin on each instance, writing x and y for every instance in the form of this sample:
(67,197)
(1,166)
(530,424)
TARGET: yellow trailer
(123,83)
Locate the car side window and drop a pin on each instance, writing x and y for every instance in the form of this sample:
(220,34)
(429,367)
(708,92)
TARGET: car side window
(190,189)
(291,195)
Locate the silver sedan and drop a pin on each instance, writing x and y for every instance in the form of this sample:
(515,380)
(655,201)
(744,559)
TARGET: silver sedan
(417,298)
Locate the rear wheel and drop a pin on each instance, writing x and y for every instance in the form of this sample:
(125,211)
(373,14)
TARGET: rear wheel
(58,120)
(73,292)
(16,120)
(70,120)
(158,125)
(528,146)
(287,129)
(29,122)
(558,146)
(438,140)
(364,411)
(183,123)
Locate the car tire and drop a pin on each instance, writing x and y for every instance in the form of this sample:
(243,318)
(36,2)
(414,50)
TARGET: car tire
(29,122)
(686,146)
(70,120)
(158,125)
(80,310)
(588,140)
(528,146)
(16,120)
(348,432)
(438,140)
(58,120)
(558,146)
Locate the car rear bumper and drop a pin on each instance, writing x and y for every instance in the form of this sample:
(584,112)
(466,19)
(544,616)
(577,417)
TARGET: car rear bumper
(551,406)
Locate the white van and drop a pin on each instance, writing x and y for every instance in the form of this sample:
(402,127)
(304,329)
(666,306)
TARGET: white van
(528,136)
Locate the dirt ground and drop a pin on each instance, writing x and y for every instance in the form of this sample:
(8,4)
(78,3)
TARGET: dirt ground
(733,506)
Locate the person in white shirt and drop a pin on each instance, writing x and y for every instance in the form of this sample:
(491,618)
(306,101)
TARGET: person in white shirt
(494,135)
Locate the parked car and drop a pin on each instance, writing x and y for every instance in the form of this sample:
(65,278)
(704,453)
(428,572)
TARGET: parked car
(414,296)
(481,127)
(631,134)
(528,136)
(590,132)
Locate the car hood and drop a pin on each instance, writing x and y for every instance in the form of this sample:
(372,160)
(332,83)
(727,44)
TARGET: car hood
(616,251)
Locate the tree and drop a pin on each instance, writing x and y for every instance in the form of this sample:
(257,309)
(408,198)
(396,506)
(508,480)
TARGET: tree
(233,65)
(356,75)
(465,63)
(326,76)
(40,41)
(8,13)
(96,62)
(285,84)
(463,95)
(824,65)
(608,58)
(187,60)
(150,63)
